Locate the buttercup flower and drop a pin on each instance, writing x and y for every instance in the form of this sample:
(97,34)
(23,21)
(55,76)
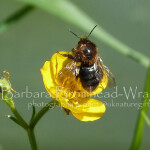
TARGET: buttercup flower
(62,85)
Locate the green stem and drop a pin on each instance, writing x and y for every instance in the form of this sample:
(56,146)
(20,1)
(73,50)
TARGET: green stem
(19,117)
(147,120)
(11,105)
(40,114)
(20,121)
(15,17)
(32,139)
(137,140)
(34,119)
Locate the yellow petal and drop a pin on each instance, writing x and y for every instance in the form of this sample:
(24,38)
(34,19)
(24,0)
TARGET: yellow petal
(87,116)
(58,62)
(91,110)
(50,71)
(85,109)
(48,79)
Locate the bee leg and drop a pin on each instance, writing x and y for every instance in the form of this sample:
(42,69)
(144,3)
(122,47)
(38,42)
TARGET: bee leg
(66,55)
(77,72)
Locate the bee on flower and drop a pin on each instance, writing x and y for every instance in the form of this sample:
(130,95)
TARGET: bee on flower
(73,77)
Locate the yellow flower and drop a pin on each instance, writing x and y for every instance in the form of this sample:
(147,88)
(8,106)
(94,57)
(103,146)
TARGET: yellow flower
(64,87)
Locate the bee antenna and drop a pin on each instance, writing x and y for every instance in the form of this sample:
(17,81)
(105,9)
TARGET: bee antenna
(74,34)
(91,31)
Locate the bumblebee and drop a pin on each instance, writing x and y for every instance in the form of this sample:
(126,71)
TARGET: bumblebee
(85,65)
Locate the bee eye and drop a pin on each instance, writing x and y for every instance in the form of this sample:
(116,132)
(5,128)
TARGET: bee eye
(87,52)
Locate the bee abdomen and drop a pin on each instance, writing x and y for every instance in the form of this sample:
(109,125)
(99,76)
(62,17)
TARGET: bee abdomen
(90,77)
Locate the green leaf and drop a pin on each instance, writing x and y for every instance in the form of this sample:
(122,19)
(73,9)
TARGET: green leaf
(15,120)
(15,17)
(33,113)
(63,9)
(137,140)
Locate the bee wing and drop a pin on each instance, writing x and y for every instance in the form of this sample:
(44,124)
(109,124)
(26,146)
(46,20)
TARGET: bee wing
(68,75)
(111,78)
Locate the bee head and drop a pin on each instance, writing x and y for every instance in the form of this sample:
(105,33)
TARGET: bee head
(85,50)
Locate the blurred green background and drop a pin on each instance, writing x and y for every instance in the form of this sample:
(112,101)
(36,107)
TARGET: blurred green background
(28,43)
